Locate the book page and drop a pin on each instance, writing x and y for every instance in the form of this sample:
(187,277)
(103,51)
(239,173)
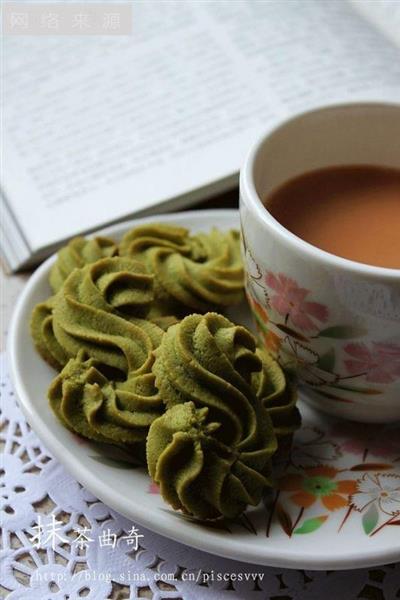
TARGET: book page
(99,128)
(306,53)
(383,14)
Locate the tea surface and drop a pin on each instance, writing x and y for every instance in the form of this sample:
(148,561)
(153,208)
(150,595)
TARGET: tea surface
(350,211)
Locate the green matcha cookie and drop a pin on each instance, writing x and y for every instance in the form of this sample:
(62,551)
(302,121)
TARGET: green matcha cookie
(210,361)
(192,273)
(43,335)
(199,474)
(207,363)
(278,396)
(88,403)
(106,391)
(76,254)
(100,309)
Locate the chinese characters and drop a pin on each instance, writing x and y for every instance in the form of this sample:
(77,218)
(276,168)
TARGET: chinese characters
(51,532)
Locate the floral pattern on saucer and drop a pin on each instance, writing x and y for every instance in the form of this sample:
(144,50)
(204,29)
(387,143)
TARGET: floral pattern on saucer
(335,474)
(289,321)
(325,480)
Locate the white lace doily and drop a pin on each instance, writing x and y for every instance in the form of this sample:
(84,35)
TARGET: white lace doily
(72,564)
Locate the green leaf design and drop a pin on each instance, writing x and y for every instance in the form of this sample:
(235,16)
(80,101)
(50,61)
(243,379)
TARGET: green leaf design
(260,322)
(311,525)
(326,361)
(370,519)
(343,332)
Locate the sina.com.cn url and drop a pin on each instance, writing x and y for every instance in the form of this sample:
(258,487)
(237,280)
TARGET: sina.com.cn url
(195,576)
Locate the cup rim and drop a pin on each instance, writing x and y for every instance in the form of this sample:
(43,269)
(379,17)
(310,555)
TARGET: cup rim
(248,188)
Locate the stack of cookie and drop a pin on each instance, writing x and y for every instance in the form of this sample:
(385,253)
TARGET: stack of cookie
(146,362)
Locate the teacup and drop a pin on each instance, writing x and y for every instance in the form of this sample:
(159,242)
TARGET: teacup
(333,322)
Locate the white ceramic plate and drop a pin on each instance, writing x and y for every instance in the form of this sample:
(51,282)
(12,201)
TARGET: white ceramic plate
(316,522)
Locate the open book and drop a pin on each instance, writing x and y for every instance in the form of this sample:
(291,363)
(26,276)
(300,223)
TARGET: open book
(97,129)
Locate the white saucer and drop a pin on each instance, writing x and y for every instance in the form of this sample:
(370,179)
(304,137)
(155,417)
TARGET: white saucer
(336,530)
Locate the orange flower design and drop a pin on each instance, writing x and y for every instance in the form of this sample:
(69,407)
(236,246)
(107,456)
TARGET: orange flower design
(318,483)
(259,311)
(273,342)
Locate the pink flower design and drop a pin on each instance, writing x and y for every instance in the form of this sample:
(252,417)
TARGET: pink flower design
(290,301)
(153,488)
(379,364)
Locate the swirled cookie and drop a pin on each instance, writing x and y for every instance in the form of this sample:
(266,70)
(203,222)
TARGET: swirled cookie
(207,363)
(192,273)
(76,254)
(99,309)
(106,391)
(95,407)
(199,474)
(43,335)
(278,396)
(209,360)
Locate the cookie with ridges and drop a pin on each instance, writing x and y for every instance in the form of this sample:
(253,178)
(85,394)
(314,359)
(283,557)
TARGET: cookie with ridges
(76,254)
(197,473)
(193,273)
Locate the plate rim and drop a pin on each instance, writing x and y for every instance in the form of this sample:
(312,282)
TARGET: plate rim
(210,542)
